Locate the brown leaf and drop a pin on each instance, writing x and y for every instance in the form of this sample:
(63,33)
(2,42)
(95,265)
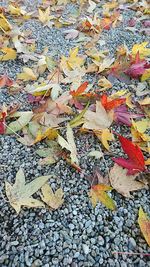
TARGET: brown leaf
(124,183)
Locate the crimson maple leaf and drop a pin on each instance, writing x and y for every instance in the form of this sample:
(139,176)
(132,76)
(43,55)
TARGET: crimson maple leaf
(135,162)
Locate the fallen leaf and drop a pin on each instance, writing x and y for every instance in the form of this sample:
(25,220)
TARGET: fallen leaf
(4,24)
(104,136)
(71,34)
(20,193)
(24,118)
(111,104)
(92,6)
(104,83)
(73,61)
(8,54)
(98,193)
(27,75)
(145,75)
(141,48)
(5,81)
(124,183)
(98,120)
(53,200)
(135,163)
(69,144)
(95,153)
(97,178)
(144,223)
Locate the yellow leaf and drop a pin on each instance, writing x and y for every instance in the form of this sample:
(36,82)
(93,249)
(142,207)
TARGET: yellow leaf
(144,223)
(145,101)
(49,133)
(69,144)
(104,136)
(141,48)
(97,193)
(27,75)
(146,75)
(129,101)
(103,82)
(118,94)
(147,162)
(73,61)
(53,200)
(20,193)
(9,54)
(17,125)
(14,10)
(141,125)
(4,24)
(44,16)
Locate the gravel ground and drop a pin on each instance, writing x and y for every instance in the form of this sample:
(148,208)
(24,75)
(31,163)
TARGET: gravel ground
(76,234)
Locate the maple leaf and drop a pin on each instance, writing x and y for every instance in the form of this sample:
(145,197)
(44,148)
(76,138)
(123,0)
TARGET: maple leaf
(69,144)
(97,120)
(24,118)
(135,163)
(98,193)
(8,54)
(44,17)
(73,61)
(53,200)
(108,105)
(27,75)
(137,66)
(122,116)
(141,49)
(80,90)
(104,136)
(5,81)
(4,24)
(122,182)
(20,193)
(144,223)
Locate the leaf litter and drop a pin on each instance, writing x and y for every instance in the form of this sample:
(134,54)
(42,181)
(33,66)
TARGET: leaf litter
(89,109)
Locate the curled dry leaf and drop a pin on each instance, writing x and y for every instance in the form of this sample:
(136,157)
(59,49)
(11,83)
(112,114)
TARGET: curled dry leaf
(20,193)
(124,183)
(53,200)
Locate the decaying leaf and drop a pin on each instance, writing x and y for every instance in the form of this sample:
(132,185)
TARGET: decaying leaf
(4,24)
(144,223)
(5,81)
(69,144)
(53,200)
(97,120)
(98,193)
(124,183)
(95,153)
(20,193)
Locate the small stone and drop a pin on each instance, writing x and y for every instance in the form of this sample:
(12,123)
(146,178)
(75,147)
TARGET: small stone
(71,226)
(142,263)
(14,243)
(76,255)
(132,243)
(85,248)
(37,263)
(101,240)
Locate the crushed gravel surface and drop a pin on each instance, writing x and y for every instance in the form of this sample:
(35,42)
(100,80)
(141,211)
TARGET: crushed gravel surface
(76,234)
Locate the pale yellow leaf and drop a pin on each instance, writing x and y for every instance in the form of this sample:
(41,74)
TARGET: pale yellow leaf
(20,193)
(53,200)
(141,48)
(17,125)
(27,75)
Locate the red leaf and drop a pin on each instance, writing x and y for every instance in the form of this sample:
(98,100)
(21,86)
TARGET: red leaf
(5,81)
(2,123)
(135,163)
(80,89)
(137,66)
(108,105)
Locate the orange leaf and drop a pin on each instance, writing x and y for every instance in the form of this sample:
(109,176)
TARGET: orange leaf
(80,89)
(144,223)
(108,105)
